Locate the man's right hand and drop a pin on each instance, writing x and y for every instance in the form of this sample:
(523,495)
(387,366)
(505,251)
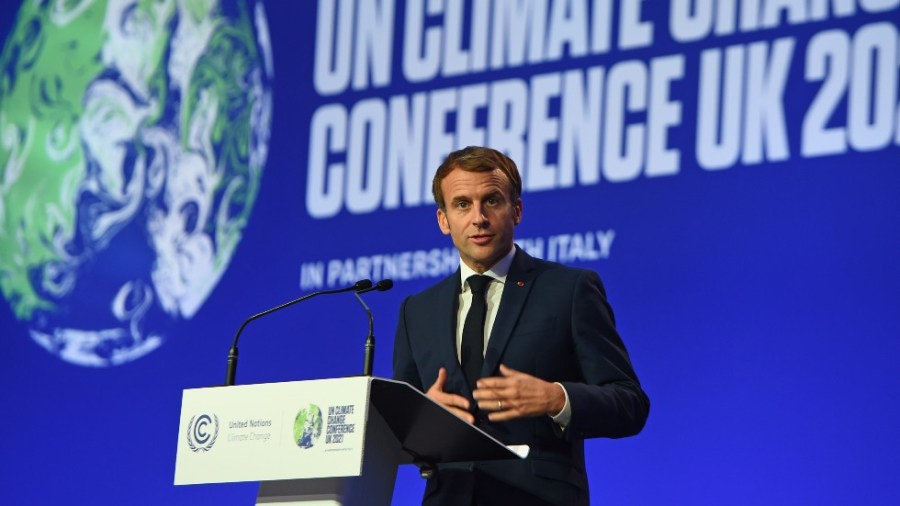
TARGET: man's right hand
(458,404)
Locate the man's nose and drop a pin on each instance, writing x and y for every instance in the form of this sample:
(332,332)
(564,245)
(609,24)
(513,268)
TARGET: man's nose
(479,216)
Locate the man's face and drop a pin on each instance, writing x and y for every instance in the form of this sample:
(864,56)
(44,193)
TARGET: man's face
(480,216)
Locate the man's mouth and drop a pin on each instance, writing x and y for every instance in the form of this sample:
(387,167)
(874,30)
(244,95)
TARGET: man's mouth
(481,239)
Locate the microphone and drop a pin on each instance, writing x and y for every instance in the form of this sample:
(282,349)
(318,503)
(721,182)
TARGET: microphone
(369,358)
(231,368)
(381,286)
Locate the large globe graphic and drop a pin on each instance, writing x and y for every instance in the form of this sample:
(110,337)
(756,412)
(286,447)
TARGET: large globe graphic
(133,137)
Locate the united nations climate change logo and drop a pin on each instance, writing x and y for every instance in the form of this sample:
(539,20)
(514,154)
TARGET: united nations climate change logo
(308,426)
(133,137)
(202,432)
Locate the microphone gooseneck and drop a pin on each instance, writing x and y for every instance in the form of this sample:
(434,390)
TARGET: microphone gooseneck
(369,355)
(231,367)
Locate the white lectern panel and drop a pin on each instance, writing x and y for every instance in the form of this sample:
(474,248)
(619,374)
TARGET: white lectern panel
(275,431)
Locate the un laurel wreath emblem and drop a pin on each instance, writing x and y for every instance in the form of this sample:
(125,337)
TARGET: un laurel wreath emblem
(198,436)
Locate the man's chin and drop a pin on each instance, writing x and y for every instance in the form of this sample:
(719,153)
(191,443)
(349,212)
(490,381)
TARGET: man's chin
(484,260)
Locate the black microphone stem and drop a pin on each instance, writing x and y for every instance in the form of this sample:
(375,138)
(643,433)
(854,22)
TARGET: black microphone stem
(231,367)
(369,356)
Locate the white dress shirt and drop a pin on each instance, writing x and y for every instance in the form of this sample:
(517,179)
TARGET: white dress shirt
(498,272)
(494,292)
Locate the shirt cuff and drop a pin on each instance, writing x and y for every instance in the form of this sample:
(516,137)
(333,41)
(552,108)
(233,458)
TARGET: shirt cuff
(565,415)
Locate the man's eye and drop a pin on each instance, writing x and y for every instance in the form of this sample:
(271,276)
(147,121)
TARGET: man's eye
(492,201)
(462,205)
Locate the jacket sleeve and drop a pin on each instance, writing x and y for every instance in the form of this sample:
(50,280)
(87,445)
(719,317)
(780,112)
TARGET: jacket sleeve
(610,401)
(404,365)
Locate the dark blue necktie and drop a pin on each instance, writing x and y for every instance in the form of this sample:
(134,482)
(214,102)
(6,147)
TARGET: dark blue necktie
(472,349)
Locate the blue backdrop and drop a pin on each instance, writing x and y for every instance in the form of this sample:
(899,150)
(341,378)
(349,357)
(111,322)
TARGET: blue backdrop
(729,168)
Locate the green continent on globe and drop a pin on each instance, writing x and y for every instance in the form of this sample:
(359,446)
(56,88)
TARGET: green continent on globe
(47,67)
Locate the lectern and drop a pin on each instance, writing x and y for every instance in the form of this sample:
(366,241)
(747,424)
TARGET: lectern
(321,442)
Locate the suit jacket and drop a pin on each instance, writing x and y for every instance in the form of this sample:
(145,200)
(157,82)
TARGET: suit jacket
(554,323)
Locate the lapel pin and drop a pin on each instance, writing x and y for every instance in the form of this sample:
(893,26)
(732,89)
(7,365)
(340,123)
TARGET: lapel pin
(520,283)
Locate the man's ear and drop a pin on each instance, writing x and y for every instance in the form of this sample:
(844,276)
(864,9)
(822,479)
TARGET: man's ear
(518,207)
(442,221)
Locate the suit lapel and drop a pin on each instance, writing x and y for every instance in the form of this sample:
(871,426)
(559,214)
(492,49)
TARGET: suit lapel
(445,327)
(515,293)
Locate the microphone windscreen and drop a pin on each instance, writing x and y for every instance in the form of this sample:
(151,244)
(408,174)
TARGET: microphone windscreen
(384,284)
(362,284)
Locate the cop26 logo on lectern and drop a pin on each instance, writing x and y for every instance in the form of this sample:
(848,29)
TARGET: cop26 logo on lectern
(308,426)
(134,136)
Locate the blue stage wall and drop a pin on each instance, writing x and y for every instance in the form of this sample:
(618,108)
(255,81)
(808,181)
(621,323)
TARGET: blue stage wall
(729,168)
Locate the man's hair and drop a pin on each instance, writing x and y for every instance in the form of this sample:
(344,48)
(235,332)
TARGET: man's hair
(477,159)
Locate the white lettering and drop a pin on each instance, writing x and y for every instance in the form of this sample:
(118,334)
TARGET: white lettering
(873,87)
(719,108)
(764,124)
(421,47)
(542,129)
(818,9)
(879,5)
(662,114)
(633,32)
(374,35)
(506,117)
(827,59)
(363,46)
(325,180)
(772,10)
(405,149)
(439,141)
(623,145)
(365,156)
(456,59)
(517,22)
(331,74)
(568,27)
(690,20)
(471,100)
(601,26)
(580,247)
(579,139)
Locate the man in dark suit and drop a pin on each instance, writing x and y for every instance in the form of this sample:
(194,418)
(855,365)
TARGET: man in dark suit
(529,353)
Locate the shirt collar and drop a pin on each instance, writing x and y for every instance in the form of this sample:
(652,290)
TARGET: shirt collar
(498,271)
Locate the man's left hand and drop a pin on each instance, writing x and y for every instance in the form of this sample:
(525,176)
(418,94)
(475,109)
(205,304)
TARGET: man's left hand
(515,394)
